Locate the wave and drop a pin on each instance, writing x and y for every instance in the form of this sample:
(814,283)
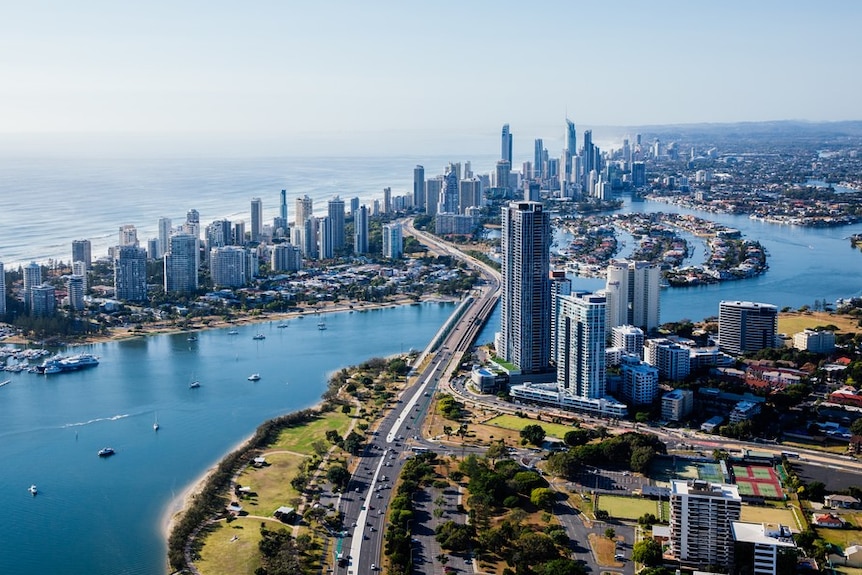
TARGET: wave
(97,420)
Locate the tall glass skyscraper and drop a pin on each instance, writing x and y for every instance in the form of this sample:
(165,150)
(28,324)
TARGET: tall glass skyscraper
(525,305)
(335,212)
(506,145)
(256,219)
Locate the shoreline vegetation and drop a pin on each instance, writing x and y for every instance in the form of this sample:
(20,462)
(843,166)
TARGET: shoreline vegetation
(188,519)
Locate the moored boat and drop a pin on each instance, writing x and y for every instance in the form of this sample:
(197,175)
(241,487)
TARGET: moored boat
(254,377)
(32,489)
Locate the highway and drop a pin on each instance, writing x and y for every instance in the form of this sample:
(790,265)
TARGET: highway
(364,503)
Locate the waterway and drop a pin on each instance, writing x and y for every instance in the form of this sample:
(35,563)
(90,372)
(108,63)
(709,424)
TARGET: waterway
(105,515)
(805,265)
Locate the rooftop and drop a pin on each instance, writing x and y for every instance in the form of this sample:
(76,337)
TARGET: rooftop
(763,534)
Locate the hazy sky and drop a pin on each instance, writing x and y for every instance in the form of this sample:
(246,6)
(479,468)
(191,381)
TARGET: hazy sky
(383,72)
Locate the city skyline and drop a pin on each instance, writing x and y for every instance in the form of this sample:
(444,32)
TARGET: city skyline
(353,80)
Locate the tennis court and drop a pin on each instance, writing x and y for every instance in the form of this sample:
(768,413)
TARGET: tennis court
(758,480)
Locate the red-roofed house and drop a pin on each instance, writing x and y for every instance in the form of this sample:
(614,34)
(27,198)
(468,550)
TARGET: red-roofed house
(828,520)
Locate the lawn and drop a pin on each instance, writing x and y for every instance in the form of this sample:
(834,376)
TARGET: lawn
(270,484)
(516,423)
(220,555)
(300,438)
(627,507)
(841,537)
(795,322)
(758,514)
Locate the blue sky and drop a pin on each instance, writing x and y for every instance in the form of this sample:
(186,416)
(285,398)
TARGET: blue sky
(395,73)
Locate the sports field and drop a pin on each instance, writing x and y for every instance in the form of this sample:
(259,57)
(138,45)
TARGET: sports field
(710,472)
(758,480)
(627,507)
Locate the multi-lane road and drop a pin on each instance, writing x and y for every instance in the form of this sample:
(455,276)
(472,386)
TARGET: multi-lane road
(364,503)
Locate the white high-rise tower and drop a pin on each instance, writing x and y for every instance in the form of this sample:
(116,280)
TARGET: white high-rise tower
(525,304)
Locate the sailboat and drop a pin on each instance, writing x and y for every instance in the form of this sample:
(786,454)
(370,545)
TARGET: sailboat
(156,423)
(194,383)
(321,325)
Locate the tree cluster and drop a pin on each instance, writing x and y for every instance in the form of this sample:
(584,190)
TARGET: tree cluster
(634,451)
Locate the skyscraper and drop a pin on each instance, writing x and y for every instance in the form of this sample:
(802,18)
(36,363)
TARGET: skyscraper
(745,326)
(282,208)
(130,274)
(228,266)
(701,518)
(335,211)
(501,176)
(181,265)
(286,258)
(82,252)
(32,278)
(581,345)
(538,159)
(387,200)
(75,289)
(433,186)
(506,148)
(448,200)
(525,305)
(308,235)
(79,269)
(560,285)
(360,231)
(419,188)
(164,235)
(256,219)
(588,161)
(392,243)
(470,194)
(304,210)
(632,290)
(570,149)
(44,300)
(325,238)
(128,235)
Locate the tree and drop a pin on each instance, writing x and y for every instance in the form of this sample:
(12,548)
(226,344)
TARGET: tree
(647,551)
(542,497)
(561,567)
(533,433)
(856,427)
(338,476)
(497,450)
(345,409)
(610,533)
(577,437)
(454,536)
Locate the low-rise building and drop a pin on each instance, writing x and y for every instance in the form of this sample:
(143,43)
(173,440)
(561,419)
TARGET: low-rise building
(677,404)
(842,501)
(744,411)
(827,520)
(816,341)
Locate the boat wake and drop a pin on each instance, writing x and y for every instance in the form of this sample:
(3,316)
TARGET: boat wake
(97,420)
